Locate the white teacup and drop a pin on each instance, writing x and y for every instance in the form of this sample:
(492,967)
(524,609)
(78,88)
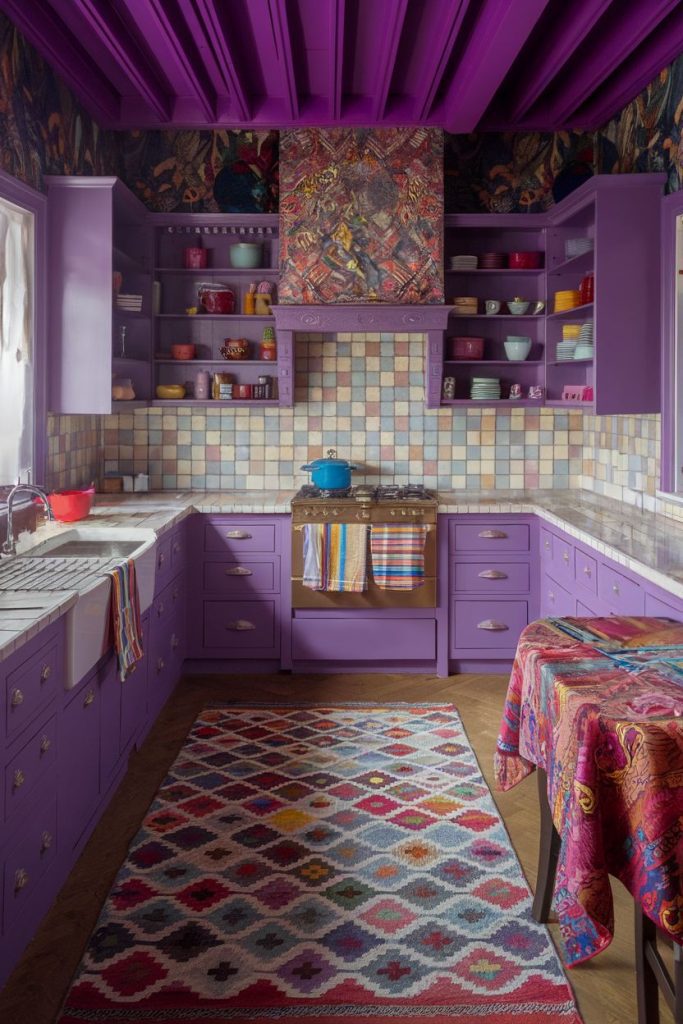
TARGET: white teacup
(492,306)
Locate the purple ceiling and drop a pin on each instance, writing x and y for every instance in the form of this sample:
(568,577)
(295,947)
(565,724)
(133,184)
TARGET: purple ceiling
(460,64)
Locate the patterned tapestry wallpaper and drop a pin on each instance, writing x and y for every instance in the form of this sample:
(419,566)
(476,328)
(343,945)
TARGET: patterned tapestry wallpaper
(361,215)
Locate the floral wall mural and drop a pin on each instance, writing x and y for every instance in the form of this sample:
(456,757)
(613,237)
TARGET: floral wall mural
(361,215)
(43,128)
(203,171)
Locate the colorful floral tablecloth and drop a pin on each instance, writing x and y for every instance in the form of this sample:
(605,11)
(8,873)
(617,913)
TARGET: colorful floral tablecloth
(598,704)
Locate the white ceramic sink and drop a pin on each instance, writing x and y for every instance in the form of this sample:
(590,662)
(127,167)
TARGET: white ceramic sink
(84,553)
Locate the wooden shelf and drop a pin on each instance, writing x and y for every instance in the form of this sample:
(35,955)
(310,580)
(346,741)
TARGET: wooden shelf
(496,316)
(568,362)
(558,403)
(240,271)
(217,403)
(502,270)
(524,402)
(127,314)
(495,362)
(217,362)
(118,405)
(575,265)
(214,316)
(578,312)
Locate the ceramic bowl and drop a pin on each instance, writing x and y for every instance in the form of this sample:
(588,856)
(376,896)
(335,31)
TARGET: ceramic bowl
(183,351)
(170,391)
(518,306)
(245,255)
(518,350)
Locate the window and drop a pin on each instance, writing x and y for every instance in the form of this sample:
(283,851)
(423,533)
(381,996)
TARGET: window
(22,403)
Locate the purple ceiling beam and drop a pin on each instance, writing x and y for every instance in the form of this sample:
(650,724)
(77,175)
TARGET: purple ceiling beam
(626,32)
(283,45)
(112,34)
(658,50)
(44,30)
(558,46)
(216,41)
(154,20)
(502,28)
(436,62)
(387,59)
(336,47)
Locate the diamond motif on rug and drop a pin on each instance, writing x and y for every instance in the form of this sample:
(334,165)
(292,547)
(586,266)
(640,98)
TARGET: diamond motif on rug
(322,864)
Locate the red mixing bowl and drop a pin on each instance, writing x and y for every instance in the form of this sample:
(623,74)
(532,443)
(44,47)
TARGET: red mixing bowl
(68,506)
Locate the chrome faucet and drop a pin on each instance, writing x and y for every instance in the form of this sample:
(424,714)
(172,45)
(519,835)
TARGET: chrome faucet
(10,545)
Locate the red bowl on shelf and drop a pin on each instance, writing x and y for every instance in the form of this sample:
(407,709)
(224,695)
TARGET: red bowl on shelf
(69,506)
(525,260)
(466,348)
(183,351)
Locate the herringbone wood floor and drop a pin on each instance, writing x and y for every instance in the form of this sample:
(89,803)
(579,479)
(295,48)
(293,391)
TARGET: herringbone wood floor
(605,987)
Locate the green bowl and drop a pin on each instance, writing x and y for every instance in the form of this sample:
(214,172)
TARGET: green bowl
(246,255)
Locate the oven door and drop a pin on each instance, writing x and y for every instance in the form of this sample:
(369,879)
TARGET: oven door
(374,597)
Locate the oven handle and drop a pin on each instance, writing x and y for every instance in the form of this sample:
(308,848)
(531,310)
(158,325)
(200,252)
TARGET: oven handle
(299,526)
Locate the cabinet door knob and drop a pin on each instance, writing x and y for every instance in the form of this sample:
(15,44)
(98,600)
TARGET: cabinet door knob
(18,779)
(89,698)
(17,698)
(493,574)
(45,744)
(240,624)
(160,665)
(546,545)
(45,841)
(20,879)
(239,570)
(175,642)
(565,556)
(587,571)
(176,548)
(160,608)
(492,626)
(238,535)
(551,596)
(492,535)
(162,558)
(45,673)
(615,588)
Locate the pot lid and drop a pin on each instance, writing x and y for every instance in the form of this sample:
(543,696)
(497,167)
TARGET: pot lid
(331,460)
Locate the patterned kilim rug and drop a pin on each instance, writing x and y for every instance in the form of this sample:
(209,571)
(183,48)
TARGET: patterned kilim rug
(322,864)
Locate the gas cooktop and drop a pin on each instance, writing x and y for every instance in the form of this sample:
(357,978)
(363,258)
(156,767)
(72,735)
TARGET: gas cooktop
(368,493)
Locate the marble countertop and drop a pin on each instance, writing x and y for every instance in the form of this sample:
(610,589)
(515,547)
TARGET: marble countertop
(648,543)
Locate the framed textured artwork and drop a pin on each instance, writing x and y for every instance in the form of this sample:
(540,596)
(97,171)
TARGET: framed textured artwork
(361,215)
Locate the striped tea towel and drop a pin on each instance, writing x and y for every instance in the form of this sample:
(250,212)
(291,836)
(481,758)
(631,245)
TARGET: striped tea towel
(125,617)
(335,557)
(398,558)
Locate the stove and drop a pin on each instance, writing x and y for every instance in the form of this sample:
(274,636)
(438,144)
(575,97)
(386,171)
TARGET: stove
(366,494)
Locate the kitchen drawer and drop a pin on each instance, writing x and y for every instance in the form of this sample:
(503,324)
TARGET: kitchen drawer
(163,557)
(556,601)
(489,537)
(28,765)
(584,612)
(586,571)
(28,859)
(79,761)
(333,638)
(236,537)
(178,550)
(245,628)
(169,602)
(623,595)
(562,565)
(165,664)
(656,607)
(254,575)
(490,578)
(488,625)
(32,686)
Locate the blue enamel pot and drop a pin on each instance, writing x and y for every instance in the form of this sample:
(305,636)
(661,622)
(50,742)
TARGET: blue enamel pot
(330,474)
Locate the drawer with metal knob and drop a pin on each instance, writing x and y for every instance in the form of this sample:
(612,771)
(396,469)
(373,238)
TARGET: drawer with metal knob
(27,861)
(256,574)
(32,686)
(623,595)
(487,625)
(586,571)
(493,537)
(238,537)
(490,577)
(29,765)
(244,628)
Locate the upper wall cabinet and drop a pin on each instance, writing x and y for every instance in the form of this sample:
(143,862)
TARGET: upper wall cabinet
(100,294)
(596,282)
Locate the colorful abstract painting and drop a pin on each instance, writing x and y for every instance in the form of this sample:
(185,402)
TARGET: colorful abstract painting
(361,215)
(44,130)
(203,171)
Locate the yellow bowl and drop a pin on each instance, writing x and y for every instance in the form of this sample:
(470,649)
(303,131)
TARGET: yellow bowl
(170,391)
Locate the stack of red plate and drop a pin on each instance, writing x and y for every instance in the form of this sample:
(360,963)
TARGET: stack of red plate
(492,260)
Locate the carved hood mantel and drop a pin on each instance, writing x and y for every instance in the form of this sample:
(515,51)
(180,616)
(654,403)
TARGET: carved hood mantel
(371,317)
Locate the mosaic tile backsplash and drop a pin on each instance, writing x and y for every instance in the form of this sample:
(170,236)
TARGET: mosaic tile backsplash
(74,450)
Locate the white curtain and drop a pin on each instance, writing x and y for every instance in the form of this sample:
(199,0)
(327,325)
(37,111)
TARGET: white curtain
(16,342)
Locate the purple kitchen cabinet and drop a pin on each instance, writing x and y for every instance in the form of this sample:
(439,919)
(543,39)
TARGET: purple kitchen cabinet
(28,764)
(357,637)
(556,600)
(79,763)
(32,679)
(492,577)
(134,694)
(97,228)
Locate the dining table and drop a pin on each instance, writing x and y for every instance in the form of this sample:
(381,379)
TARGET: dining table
(597,706)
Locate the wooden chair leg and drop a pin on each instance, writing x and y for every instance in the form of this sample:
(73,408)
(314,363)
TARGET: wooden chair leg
(548,852)
(647,986)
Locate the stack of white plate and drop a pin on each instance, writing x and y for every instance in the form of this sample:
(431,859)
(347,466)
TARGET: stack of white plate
(129,303)
(565,350)
(583,351)
(464,262)
(586,333)
(485,388)
(577,247)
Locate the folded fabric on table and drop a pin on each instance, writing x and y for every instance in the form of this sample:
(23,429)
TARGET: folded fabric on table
(125,617)
(398,558)
(335,557)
